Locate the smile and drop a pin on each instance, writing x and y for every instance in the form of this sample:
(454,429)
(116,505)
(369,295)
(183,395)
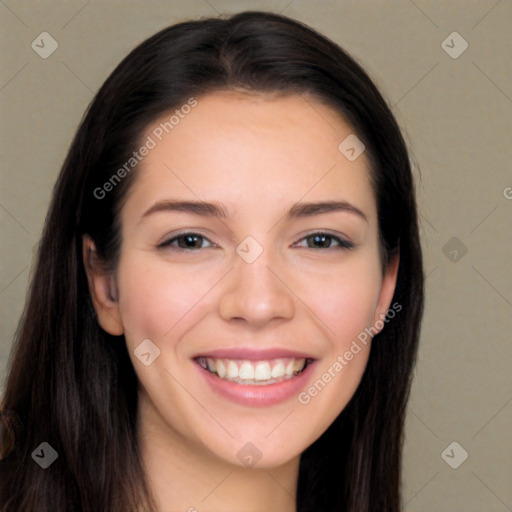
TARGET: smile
(250,372)
(255,378)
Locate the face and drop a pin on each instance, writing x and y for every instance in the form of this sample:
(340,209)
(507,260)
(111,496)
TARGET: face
(249,269)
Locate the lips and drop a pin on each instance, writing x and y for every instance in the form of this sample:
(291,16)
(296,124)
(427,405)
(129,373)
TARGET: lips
(254,372)
(255,377)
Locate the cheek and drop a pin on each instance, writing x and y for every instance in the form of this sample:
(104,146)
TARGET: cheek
(346,306)
(351,311)
(157,299)
(344,300)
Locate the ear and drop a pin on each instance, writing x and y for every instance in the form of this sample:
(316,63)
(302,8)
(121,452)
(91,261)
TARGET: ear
(387,290)
(103,290)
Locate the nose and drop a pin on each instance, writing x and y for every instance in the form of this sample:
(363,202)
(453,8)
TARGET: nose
(256,293)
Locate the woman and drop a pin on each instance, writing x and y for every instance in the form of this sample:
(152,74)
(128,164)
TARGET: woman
(226,305)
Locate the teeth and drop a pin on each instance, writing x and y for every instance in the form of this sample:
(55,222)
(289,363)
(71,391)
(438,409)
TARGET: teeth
(221,369)
(232,370)
(246,371)
(298,365)
(254,372)
(262,371)
(278,370)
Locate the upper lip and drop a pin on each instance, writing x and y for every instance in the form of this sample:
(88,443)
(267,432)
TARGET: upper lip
(252,354)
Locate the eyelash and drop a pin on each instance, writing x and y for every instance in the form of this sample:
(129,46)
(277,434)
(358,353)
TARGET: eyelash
(343,244)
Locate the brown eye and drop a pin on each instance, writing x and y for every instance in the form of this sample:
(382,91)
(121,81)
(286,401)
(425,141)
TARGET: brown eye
(322,240)
(185,241)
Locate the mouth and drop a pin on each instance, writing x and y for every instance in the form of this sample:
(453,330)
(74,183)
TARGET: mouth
(263,372)
(255,377)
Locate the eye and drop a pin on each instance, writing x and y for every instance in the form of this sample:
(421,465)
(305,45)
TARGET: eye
(321,240)
(185,241)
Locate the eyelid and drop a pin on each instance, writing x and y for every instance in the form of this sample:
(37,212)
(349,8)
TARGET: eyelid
(343,242)
(167,241)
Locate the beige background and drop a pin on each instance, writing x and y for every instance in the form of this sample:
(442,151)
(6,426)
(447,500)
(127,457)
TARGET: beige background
(456,115)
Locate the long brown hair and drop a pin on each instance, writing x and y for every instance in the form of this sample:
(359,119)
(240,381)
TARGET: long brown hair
(72,385)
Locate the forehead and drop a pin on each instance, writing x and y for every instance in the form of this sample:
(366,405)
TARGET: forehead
(247,150)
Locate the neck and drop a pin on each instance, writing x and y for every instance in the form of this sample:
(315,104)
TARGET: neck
(184,476)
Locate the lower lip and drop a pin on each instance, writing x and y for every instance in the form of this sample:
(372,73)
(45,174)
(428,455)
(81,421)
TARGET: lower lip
(257,395)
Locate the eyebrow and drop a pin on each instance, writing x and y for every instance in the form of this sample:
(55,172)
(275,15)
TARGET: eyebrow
(215,209)
(309,209)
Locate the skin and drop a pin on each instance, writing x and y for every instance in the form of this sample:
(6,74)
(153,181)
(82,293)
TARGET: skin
(257,155)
